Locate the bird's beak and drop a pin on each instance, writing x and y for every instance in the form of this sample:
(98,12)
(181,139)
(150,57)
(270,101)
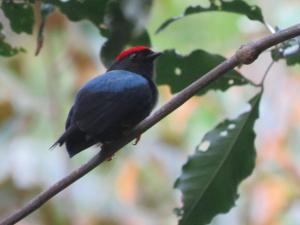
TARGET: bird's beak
(153,55)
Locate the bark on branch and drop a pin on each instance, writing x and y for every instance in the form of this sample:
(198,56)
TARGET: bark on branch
(245,55)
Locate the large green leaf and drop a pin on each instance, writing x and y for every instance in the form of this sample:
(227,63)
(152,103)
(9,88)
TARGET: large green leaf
(6,49)
(179,71)
(124,29)
(235,6)
(210,179)
(20,15)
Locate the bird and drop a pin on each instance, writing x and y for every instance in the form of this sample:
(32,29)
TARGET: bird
(113,103)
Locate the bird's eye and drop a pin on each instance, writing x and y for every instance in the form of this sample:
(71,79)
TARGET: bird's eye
(132,56)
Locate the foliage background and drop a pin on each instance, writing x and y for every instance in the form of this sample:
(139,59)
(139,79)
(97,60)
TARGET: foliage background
(137,186)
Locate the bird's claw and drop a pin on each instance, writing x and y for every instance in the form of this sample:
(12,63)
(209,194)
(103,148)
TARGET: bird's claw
(109,158)
(138,138)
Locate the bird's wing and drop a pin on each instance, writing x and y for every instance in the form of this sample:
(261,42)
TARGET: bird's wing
(106,100)
(69,119)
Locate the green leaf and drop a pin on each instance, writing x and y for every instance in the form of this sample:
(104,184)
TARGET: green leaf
(123,29)
(288,50)
(293,59)
(179,71)
(210,179)
(20,16)
(236,6)
(6,49)
(77,10)
(114,19)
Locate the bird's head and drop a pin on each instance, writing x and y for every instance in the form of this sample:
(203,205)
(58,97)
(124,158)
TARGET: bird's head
(137,59)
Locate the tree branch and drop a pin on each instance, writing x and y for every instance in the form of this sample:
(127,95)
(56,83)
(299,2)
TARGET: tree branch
(245,55)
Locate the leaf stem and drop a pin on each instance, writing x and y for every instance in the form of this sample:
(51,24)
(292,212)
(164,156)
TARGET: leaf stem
(266,73)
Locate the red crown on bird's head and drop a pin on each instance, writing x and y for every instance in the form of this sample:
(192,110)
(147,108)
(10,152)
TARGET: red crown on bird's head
(131,50)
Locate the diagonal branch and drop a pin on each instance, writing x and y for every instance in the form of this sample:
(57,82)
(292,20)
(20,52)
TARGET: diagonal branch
(245,55)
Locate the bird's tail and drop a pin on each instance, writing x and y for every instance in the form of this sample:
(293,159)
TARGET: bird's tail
(75,141)
(54,145)
(63,138)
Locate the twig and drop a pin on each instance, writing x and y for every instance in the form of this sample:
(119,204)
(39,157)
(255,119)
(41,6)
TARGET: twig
(46,10)
(245,55)
(266,73)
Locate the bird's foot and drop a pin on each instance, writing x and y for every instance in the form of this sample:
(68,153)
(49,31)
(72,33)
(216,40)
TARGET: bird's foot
(100,145)
(138,138)
(109,158)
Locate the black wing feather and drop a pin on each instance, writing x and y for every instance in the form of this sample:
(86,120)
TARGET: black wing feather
(98,111)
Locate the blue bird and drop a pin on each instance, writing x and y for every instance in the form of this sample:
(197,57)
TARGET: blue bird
(113,103)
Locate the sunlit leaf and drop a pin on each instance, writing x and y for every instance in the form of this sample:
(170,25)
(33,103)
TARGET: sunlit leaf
(235,6)
(20,15)
(178,71)
(210,178)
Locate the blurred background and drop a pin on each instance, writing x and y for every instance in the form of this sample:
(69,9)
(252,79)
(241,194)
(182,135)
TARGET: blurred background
(136,187)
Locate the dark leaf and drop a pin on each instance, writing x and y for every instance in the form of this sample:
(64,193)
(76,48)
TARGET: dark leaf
(210,179)
(288,50)
(179,71)
(123,28)
(6,49)
(20,16)
(76,10)
(293,59)
(235,6)
(121,22)
(92,10)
